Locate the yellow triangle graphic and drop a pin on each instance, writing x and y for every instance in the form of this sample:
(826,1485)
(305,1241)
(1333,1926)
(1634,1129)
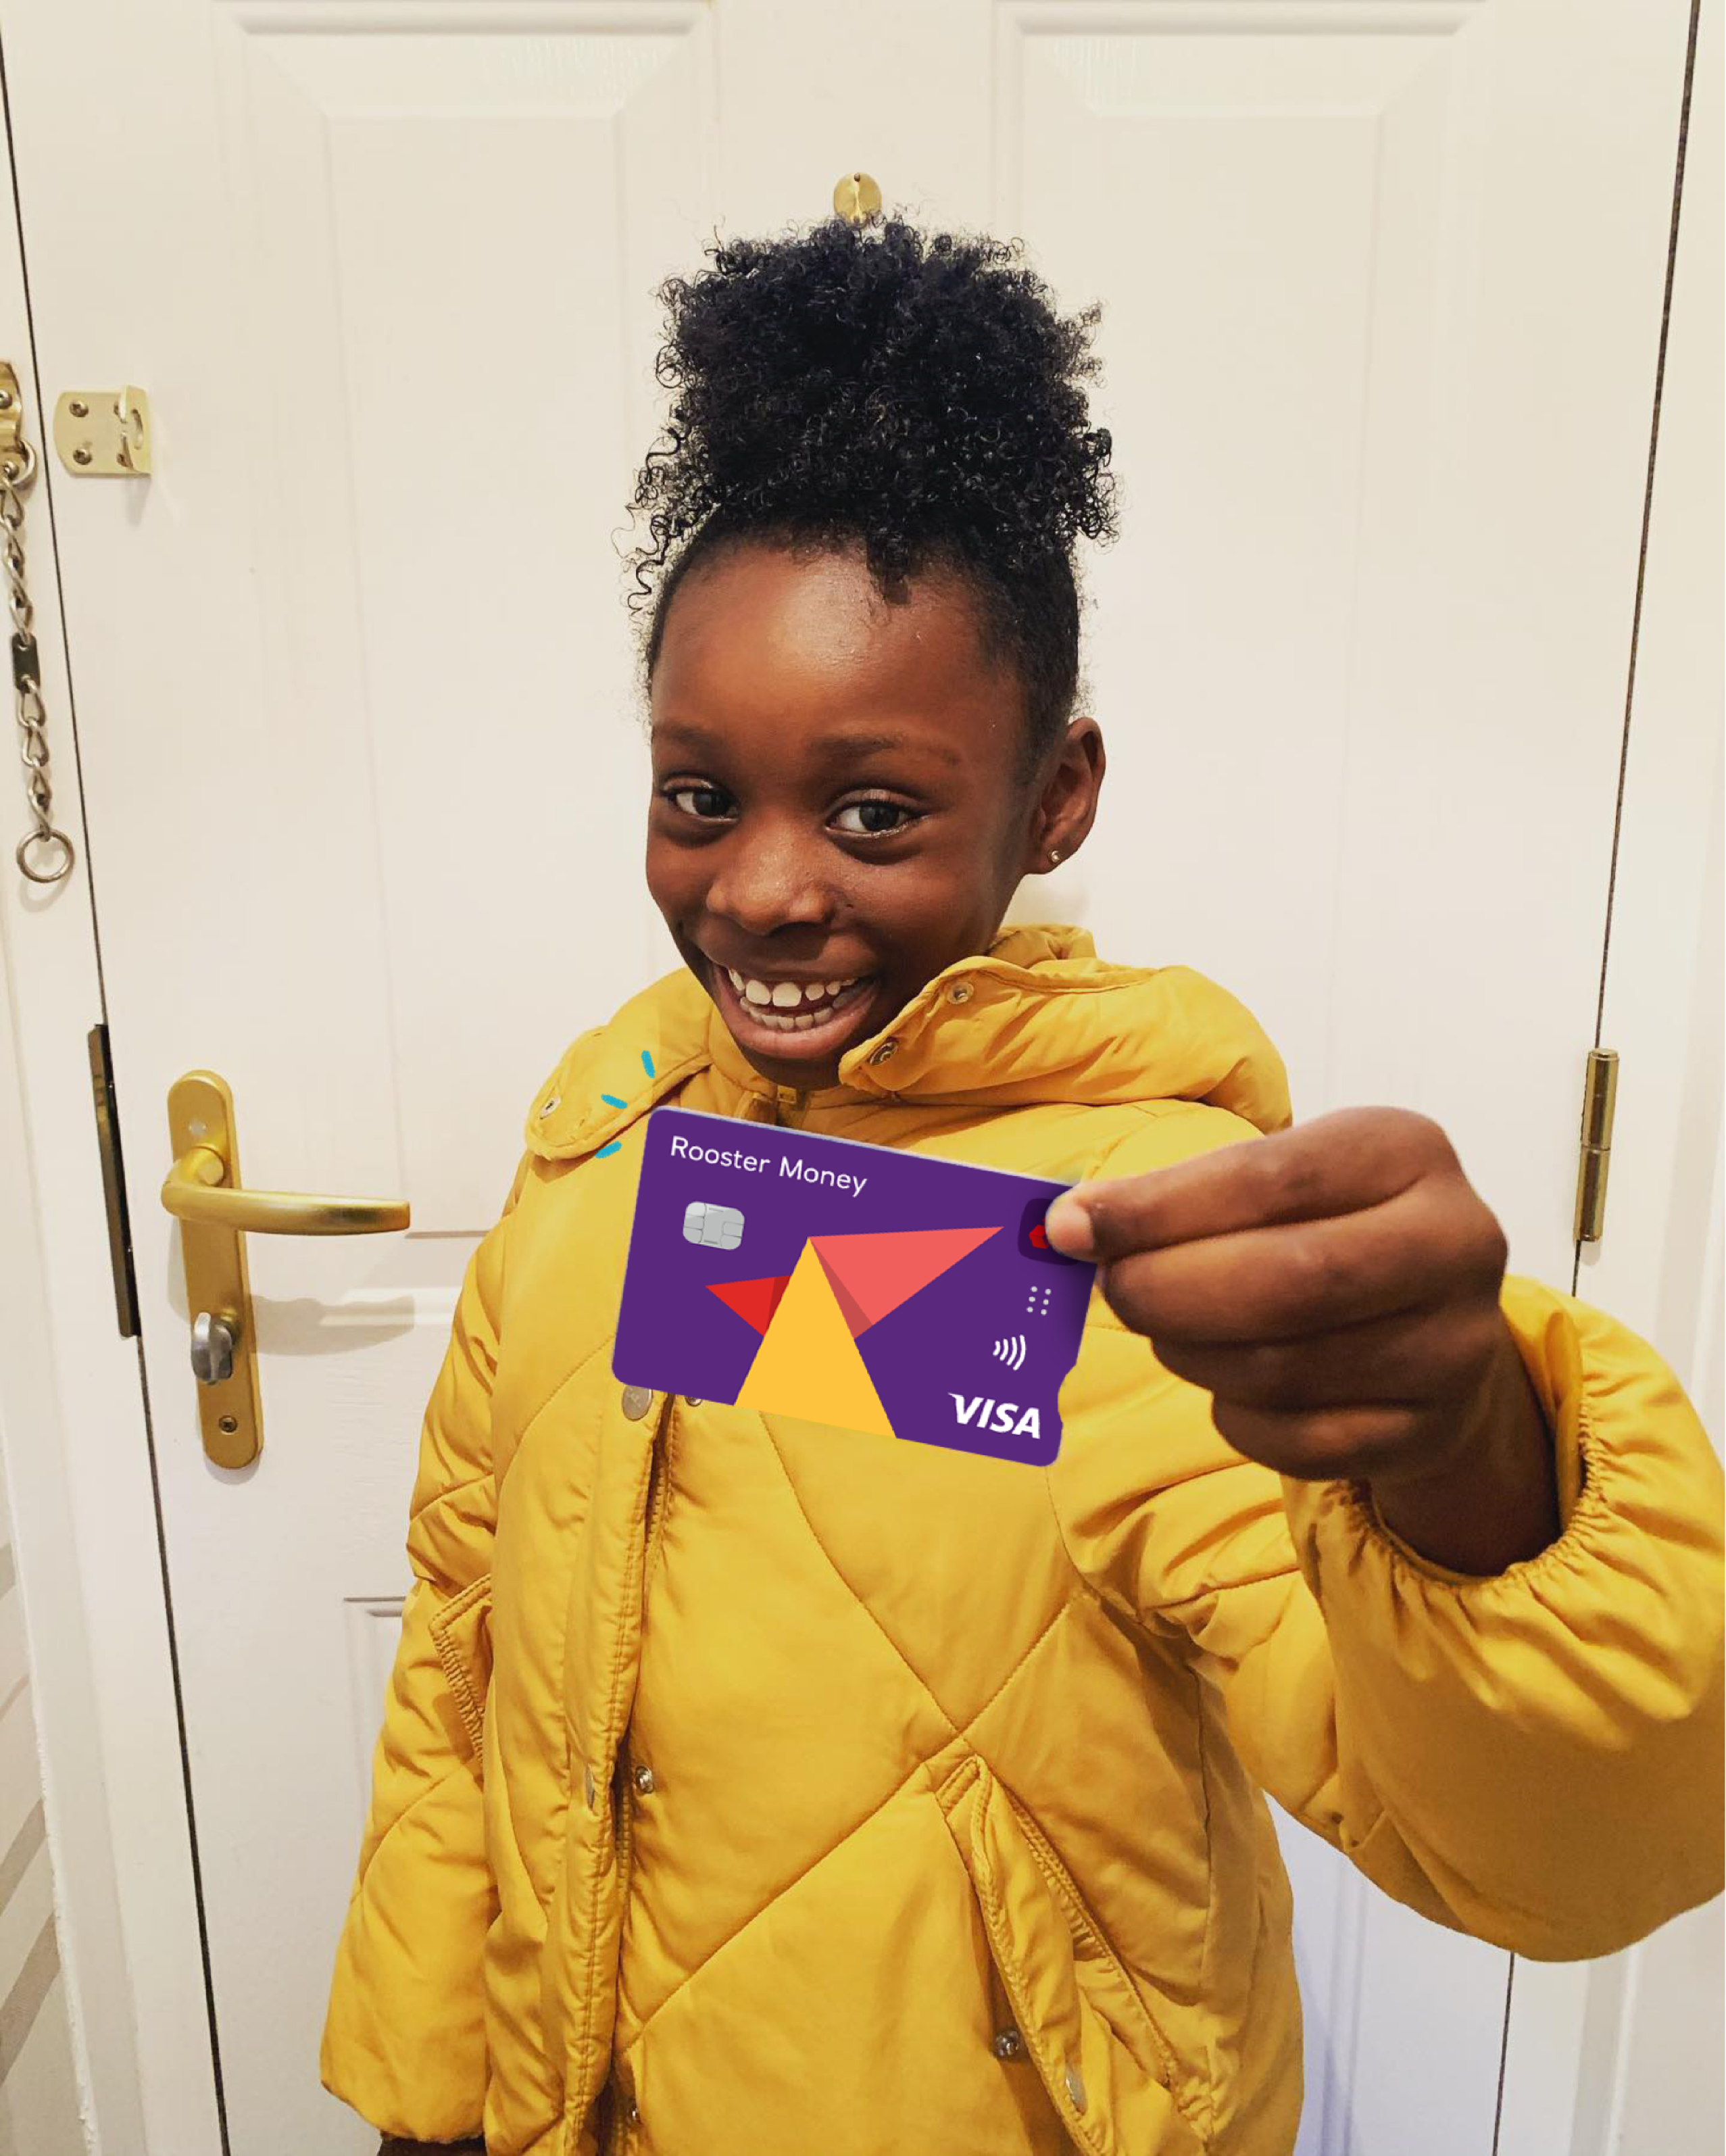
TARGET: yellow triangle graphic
(807,1364)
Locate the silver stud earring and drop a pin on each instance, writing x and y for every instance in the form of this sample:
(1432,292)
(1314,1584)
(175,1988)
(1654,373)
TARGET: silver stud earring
(1054,855)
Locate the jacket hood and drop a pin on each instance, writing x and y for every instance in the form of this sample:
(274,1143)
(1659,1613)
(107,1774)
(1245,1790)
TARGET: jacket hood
(1038,1018)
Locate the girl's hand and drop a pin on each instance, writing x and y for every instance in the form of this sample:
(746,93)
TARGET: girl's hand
(1335,1288)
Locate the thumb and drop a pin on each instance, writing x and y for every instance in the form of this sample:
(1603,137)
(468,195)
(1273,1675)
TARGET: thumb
(1068,1224)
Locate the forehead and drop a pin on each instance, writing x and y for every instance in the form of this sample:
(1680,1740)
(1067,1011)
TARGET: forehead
(765,635)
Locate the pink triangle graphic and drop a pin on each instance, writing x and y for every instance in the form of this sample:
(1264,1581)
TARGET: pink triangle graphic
(872,1275)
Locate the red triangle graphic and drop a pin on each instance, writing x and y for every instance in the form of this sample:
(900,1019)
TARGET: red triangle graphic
(754,1300)
(872,1275)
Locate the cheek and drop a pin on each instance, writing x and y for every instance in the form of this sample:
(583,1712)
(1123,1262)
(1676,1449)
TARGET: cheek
(940,906)
(671,881)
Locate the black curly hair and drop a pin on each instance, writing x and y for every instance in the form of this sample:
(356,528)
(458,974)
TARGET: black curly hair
(914,393)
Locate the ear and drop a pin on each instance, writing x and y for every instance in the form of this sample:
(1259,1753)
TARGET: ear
(1064,803)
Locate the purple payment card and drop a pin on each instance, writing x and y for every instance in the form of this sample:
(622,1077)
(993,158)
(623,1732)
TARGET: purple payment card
(885,1292)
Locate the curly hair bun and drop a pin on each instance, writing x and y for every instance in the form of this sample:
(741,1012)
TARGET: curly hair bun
(917,394)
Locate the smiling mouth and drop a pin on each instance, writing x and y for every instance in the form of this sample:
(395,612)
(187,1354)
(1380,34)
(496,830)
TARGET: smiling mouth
(801,1017)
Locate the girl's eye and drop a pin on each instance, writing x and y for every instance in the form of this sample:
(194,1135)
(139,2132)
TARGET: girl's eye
(876,819)
(711,803)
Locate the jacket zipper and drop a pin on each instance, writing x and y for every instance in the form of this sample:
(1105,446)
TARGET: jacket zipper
(798,1107)
(618,2140)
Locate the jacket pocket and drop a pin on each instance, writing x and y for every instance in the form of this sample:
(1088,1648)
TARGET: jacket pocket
(462,1632)
(1112,2075)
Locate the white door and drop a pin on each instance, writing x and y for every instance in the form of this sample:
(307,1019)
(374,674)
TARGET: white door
(355,720)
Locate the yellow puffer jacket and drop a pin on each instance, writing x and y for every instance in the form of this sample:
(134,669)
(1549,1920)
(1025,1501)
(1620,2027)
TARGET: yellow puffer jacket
(754,1788)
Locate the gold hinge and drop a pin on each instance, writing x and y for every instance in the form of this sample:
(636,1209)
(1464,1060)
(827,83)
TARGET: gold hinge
(120,1238)
(1599,1100)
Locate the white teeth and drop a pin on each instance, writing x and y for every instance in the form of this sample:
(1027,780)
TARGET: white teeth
(776,1004)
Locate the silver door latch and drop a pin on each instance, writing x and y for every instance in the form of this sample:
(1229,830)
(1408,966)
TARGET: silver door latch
(212,1348)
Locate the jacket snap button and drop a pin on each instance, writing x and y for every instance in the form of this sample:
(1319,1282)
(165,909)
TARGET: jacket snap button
(637,1400)
(1074,2088)
(590,1787)
(960,993)
(886,1052)
(644,1781)
(689,1402)
(1008,2045)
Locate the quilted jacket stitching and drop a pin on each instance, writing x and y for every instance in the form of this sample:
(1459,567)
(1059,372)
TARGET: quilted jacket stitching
(846,1833)
(1043,1633)
(456,1767)
(898,1652)
(1065,1888)
(440,1498)
(1201,1726)
(632,1586)
(832,1849)
(1013,1976)
(562,1387)
(469,1704)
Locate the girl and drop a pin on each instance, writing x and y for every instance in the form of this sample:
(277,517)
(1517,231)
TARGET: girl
(754,1788)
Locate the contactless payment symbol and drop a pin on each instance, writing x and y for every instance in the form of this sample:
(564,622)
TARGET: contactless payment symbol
(877,1291)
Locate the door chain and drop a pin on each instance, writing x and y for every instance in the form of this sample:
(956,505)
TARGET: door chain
(44,854)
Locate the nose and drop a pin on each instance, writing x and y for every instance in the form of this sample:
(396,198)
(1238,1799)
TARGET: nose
(771,875)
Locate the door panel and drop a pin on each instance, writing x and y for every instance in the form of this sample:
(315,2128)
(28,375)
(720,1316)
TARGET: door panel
(450,243)
(358,712)
(1382,305)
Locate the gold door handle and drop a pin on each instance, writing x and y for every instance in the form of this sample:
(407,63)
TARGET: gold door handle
(198,1189)
(204,1193)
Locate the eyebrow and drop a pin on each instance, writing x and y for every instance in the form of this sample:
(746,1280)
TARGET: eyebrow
(885,745)
(833,747)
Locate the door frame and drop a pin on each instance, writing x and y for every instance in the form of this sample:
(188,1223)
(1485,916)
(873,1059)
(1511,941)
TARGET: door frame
(1571,2036)
(76,1436)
